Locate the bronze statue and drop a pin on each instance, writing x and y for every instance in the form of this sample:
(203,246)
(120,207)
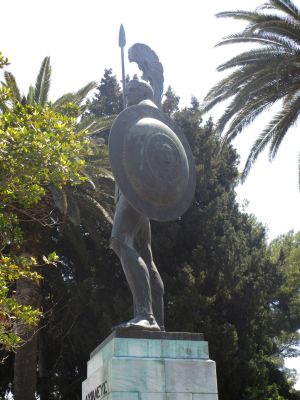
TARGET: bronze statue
(154,171)
(131,241)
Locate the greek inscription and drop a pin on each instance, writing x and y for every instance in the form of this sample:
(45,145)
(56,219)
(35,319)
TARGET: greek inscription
(97,393)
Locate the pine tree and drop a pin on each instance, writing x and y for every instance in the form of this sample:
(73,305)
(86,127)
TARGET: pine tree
(171,102)
(107,100)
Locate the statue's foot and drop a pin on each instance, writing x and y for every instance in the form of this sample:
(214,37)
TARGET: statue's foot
(142,322)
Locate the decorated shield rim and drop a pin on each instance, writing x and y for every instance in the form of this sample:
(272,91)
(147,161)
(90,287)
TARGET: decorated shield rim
(117,135)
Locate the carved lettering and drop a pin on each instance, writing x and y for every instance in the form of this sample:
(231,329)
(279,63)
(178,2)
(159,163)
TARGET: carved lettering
(104,387)
(98,392)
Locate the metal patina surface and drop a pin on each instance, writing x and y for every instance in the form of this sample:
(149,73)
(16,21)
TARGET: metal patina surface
(152,162)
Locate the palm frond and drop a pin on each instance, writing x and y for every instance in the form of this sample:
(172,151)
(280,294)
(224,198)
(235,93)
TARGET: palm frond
(73,211)
(30,95)
(260,37)
(89,180)
(93,204)
(282,27)
(42,84)
(256,96)
(273,134)
(286,119)
(60,199)
(286,6)
(65,98)
(247,115)
(248,77)
(11,83)
(86,123)
(250,16)
(289,69)
(84,91)
(258,146)
(261,21)
(76,97)
(260,93)
(265,55)
(228,86)
(101,125)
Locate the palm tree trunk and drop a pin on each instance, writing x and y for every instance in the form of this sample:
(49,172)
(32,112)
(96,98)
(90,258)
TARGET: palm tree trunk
(25,368)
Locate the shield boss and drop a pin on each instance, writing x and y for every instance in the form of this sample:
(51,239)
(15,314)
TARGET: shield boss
(152,162)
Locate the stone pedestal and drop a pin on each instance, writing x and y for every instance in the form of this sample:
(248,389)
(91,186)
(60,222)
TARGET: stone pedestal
(151,366)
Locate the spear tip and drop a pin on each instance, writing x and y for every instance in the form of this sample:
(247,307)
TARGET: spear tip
(122,37)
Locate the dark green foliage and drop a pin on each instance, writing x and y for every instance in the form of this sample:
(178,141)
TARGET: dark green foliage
(171,102)
(285,251)
(107,100)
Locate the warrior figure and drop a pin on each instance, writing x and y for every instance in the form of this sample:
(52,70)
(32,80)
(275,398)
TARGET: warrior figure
(155,175)
(131,241)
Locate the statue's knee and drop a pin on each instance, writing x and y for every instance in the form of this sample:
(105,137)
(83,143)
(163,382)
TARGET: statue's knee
(120,247)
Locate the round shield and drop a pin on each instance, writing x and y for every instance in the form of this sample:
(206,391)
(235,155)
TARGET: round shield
(152,162)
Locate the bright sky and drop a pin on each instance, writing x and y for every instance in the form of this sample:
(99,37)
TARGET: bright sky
(81,37)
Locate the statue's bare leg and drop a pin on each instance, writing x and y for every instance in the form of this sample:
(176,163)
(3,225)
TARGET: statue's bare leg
(127,223)
(156,283)
(137,276)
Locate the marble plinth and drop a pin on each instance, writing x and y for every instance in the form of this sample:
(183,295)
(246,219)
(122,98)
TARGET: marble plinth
(151,366)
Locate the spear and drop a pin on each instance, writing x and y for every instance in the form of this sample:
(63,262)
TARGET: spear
(122,44)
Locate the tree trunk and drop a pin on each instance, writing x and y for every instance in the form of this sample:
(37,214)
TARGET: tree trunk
(27,293)
(43,375)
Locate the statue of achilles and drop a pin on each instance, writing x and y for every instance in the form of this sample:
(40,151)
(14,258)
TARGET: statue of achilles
(153,167)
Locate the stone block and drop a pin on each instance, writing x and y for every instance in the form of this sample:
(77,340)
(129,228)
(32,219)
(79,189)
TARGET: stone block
(130,374)
(137,348)
(185,349)
(179,396)
(190,376)
(160,348)
(205,396)
(124,396)
(155,348)
(153,396)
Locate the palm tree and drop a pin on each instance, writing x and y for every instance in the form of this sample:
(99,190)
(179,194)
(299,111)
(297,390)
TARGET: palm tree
(80,207)
(262,76)
(71,104)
